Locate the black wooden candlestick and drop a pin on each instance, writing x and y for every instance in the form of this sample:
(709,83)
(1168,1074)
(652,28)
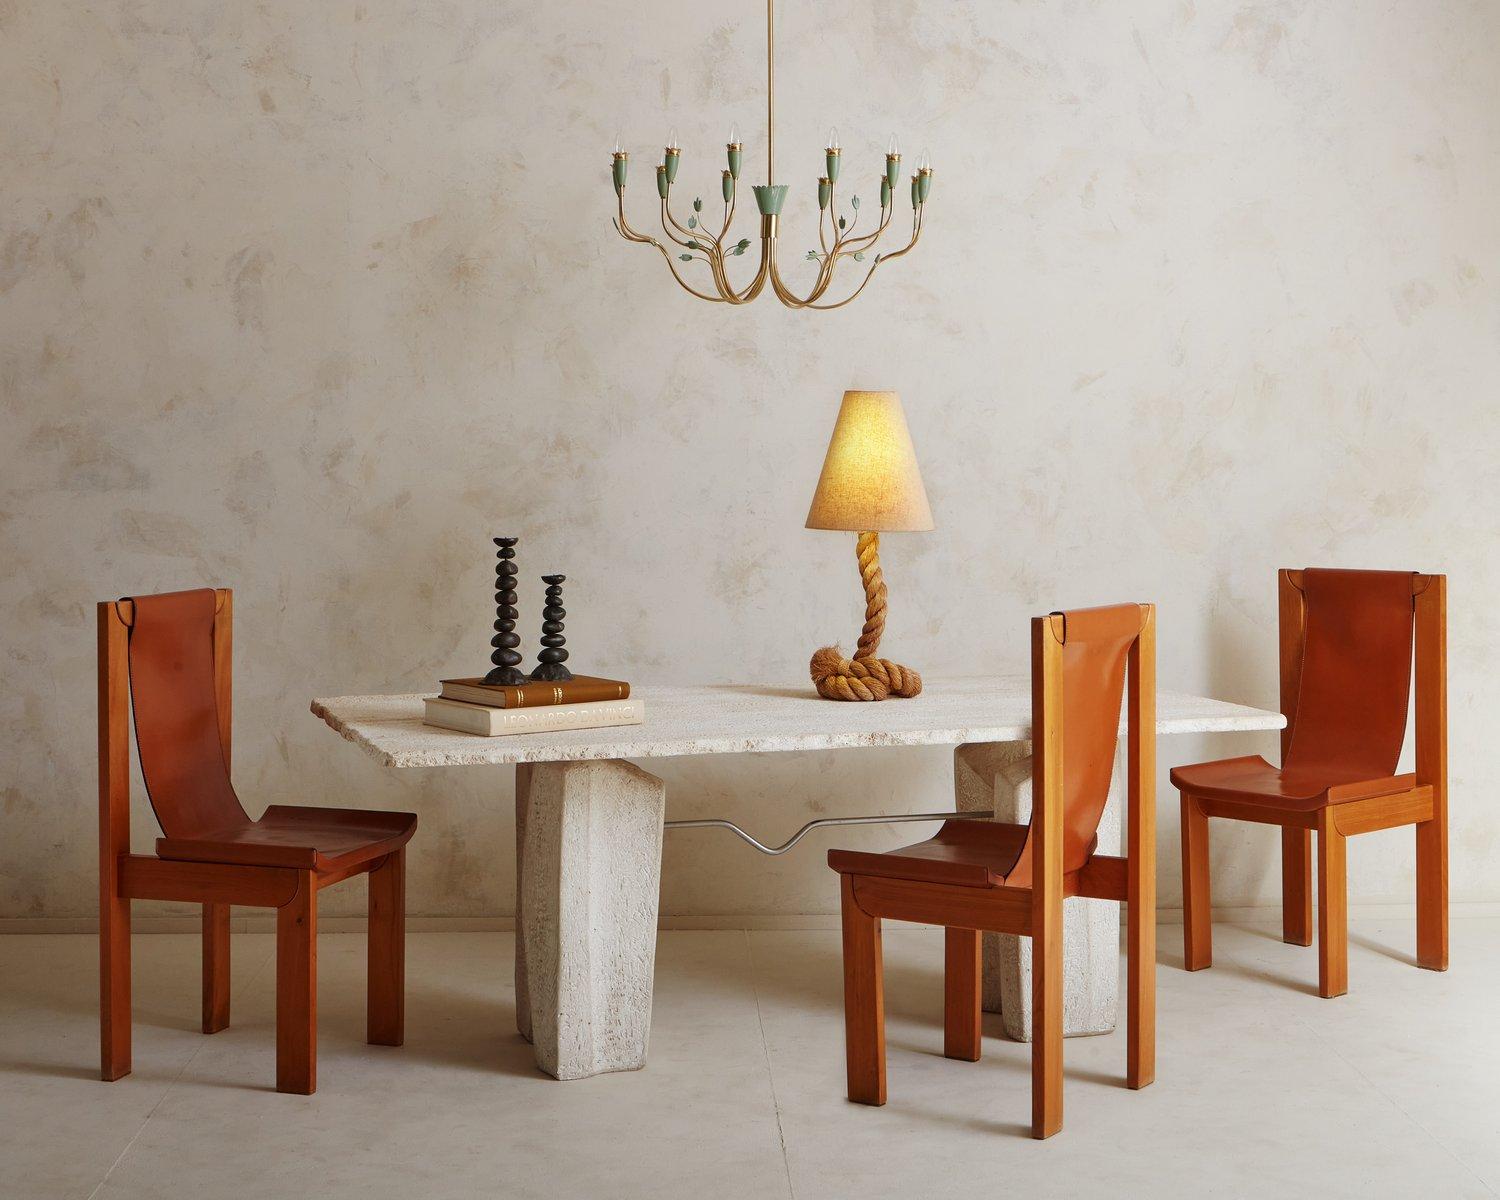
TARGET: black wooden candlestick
(506,670)
(552,654)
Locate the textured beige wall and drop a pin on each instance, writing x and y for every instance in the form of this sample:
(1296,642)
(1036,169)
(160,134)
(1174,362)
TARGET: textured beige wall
(310,299)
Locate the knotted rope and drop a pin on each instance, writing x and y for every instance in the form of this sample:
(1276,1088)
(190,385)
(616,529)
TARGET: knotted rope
(840,678)
(864,677)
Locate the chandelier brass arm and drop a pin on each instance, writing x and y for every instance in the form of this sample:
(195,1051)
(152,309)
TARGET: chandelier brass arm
(836,230)
(630,235)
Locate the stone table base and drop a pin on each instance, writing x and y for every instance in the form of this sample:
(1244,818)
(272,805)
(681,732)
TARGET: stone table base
(588,880)
(997,775)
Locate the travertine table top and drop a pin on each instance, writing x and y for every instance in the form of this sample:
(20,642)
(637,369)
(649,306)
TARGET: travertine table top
(751,718)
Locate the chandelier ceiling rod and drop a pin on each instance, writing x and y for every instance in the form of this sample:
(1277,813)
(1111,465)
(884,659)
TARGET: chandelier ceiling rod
(771,91)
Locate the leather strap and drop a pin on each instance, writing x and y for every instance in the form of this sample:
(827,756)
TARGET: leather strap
(176,714)
(1355,681)
(1096,647)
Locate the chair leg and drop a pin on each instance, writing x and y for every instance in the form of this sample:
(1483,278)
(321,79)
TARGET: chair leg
(1140,976)
(297,990)
(114,988)
(1333,912)
(1046,1020)
(961,981)
(385,1023)
(1432,894)
(215,967)
(1197,919)
(864,1001)
(1296,886)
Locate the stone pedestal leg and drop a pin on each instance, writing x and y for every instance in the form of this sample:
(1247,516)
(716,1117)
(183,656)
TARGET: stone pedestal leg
(588,879)
(997,775)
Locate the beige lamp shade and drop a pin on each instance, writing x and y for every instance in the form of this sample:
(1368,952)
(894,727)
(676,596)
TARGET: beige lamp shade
(870,479)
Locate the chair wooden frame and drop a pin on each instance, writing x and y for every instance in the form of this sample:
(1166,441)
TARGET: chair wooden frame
(124,877)
(1035,912)
(1422,802)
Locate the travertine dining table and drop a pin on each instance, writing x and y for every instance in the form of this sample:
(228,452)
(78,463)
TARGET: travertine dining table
(589,833)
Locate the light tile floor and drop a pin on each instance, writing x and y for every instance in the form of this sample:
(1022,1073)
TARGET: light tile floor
(1262,1087)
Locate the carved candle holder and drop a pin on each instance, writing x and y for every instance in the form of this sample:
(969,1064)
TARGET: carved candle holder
(506,670)
(553,652)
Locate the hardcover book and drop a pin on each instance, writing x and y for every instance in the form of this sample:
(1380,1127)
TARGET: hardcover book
(581,689)
(489,721)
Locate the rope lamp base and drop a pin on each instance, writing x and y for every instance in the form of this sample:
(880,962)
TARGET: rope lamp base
(864,677)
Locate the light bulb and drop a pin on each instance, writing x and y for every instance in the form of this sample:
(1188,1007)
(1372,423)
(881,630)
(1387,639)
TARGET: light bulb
(894,149)
(672,138)
(925,162)
(734,134)
(617,142)
(833,138)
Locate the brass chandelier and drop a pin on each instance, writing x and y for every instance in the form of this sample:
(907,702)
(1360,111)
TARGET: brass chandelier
(837,236)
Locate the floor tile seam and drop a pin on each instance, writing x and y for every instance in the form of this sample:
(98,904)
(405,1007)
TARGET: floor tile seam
(765,1048)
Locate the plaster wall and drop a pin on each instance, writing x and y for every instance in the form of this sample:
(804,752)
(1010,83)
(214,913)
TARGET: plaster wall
(311,299)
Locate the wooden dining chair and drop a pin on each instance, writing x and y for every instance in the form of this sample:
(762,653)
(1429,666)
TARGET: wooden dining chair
(1346,680)
(167,657)
(974,876)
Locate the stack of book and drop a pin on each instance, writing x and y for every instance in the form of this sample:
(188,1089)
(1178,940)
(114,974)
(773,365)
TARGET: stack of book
(491,709)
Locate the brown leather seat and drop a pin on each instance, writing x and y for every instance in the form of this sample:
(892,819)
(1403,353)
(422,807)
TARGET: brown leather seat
(1096,643)
(180,743)
(326,840)
(1348,715)
(965,853)
(1252,780)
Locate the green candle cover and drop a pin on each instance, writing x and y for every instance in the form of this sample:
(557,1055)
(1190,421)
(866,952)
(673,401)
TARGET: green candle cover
(728,186)
(893,168)
(661,181)
(916,189)
(735,151)
(832,157)
(825,191)
(674,157)
(924,183)
(622,160)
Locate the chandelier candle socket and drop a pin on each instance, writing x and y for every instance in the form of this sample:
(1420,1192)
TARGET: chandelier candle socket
(870,484)
(693,241)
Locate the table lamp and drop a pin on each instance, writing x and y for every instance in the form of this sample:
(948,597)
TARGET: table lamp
(870,485)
